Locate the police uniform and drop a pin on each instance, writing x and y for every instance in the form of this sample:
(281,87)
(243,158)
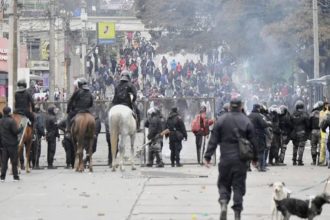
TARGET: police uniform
(177,133)
(9,140)
(122,95)
(39,132)
(80,101)
(232,170)
(24,101)
(52,134)
(300,123)
(155,125)
(286,129)
(314,121)
(68,146)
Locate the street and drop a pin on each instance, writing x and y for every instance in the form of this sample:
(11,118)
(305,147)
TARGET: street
(188,192)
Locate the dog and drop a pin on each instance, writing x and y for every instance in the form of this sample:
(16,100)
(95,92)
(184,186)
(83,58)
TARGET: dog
(306,209)
(280,192)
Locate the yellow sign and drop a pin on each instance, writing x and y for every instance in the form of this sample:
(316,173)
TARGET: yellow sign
(44,50)
(106,32)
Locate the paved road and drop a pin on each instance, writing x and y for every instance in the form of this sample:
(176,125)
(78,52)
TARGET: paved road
(182,193)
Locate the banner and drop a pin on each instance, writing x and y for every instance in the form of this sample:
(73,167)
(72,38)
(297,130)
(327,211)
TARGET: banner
(106,33)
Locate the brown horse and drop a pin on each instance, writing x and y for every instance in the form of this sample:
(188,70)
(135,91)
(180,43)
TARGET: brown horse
(83,130)
(26,140)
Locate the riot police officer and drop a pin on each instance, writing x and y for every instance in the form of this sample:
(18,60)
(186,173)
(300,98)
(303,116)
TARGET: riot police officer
(232,170)
(80,101)
(156,126)
(122,95)
(286,129)
(39,132)
(300,123)
(51,135)
(177,133)
(24,101)
(314,120)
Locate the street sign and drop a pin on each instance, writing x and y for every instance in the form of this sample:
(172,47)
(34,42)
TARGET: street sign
(106,33)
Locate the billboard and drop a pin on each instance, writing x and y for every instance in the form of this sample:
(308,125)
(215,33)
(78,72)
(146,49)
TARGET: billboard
(106,33)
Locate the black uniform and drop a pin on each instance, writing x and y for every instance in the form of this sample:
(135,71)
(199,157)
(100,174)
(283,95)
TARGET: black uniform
(276,140)
(314,121)
(52,134)
(286,129)
(68,146)
(24,104)
(39,132)
(300,123)
(177,134)
(156,126)
(122,94)
(260,126)
(232,170)
(80,101)
(9,140)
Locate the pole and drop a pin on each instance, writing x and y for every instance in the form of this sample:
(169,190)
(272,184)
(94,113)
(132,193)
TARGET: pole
(316,41)
(67,53)
(52,51)
(83,38)
(12,74)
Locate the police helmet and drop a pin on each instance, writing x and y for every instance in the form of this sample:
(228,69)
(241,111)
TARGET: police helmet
(83,84)
(299,105)
(318,105)
(226,107)
(21,84)
(125,76)
(236,102)
(283,109)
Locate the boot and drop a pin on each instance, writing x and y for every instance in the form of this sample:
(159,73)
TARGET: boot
(294,162)
(237,215)
(300,163)
(223,214)
(314,160)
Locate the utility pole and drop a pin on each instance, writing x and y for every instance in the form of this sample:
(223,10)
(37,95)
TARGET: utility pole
(52,50)
(12,61)
(83,17)
(316,40)
(67,59)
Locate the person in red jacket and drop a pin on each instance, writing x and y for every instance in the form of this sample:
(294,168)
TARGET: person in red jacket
(202,131)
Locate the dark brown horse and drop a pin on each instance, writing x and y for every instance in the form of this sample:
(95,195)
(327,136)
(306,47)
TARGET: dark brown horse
(26,140)
(83,130)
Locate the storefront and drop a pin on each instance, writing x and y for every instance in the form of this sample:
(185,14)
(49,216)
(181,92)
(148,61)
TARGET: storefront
(4,47)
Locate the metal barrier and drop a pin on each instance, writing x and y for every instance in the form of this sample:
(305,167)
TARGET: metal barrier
(188,108)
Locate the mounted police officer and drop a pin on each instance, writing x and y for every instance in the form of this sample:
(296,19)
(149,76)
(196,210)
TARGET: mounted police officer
(177,134)
(232,170)
(314,120)
(300,123)
(80,101)
(122,95)
(23,101)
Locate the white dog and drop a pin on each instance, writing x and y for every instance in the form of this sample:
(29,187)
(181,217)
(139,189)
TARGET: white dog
(280,192)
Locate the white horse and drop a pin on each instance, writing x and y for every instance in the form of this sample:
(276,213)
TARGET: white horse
(122,124)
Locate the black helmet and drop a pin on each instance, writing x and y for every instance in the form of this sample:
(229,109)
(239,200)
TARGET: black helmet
(6,110)
(125,76)
(235,102)
(83,84)
(299,105)
(256,107)
(21,84)
(283,109)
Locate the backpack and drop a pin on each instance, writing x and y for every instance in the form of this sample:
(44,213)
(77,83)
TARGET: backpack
(197,124)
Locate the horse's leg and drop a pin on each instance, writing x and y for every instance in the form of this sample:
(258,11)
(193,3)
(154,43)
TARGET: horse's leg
(20,152)
(132,138)
(76,160)
(81,154)
(90,149)
(122,152)
(27,155)
(114,143)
